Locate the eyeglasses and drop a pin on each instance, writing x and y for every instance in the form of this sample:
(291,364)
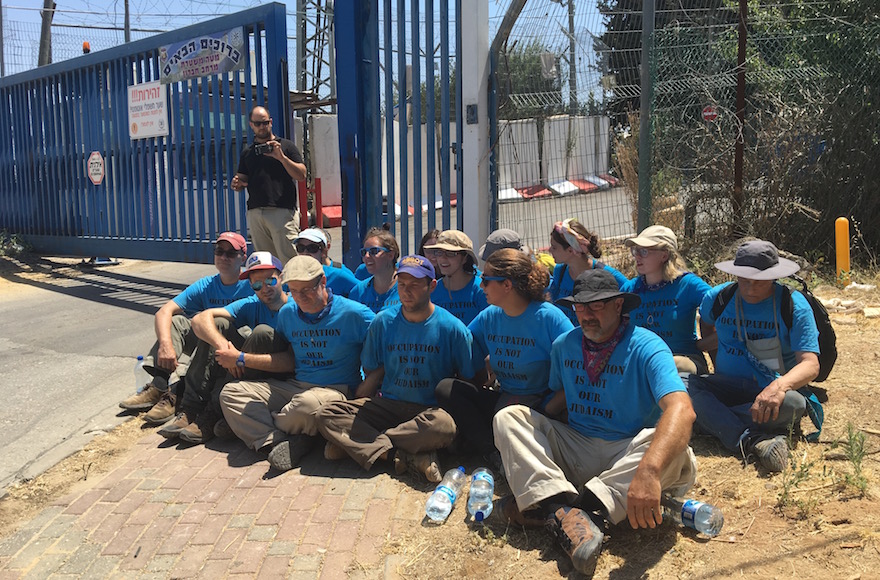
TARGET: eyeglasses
(304,291)
(493,278)
(641,252)
(228,253)
(310,249)
(257,286)
(441,253)
(261,123)
(374,251)
(594,306)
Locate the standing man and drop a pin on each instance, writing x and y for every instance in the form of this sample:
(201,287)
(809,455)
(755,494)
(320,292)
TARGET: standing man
(626,440)
(269,169)
(408,350)
(173,323)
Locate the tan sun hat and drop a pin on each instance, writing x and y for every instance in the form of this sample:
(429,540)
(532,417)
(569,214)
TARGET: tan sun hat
(659,237)
(301,269)
(454,241)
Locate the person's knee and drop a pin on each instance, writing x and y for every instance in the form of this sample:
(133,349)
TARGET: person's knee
(508,415)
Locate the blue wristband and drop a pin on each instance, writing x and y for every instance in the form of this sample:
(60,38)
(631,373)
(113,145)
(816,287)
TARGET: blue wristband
(240,362)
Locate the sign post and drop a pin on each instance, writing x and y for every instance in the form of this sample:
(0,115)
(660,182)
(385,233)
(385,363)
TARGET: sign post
(95,168)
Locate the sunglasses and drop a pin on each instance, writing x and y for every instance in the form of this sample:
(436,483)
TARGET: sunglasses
(261,123)
(641,252)
(309,249)
(594,306)
(441,253)
(257,286)
(228,253)
(374,251)
(311,289)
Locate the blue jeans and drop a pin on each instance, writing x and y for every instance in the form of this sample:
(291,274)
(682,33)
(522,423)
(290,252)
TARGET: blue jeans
(723,404)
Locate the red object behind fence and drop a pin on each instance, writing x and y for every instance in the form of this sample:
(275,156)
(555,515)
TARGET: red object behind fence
(303,190)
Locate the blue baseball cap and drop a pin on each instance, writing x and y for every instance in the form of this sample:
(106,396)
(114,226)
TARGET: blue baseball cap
(416,266)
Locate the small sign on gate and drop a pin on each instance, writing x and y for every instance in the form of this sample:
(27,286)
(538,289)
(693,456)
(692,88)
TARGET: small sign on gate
(710,113)
(95,168)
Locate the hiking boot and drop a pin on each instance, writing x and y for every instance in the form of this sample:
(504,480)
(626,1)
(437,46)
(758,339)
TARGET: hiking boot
(578,535)
(421,464)
(200,430)
(222,430)
(181,421)
(334,452)
(149,396)
(287,454)
(509,513)
(771,452)
(163,411)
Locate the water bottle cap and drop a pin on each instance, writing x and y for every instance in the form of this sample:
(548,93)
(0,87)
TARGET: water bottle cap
(140,357)
(478,517)
(461,469)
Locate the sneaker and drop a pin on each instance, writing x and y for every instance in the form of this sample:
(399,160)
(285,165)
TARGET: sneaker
(222,430)
(509,512)
(163,411)
(578,535)
(421,464)
(181,420)
(148,397)
(200,430)
(771,452)
(334,452)
(287,454)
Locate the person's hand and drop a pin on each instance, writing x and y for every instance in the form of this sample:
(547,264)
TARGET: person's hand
(227,357)
(238,184)
(768,402)
(643,501)
(364,390)
(276,152)
(166,358)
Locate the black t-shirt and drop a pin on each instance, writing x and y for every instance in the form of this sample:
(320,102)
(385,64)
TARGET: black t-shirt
(269,184)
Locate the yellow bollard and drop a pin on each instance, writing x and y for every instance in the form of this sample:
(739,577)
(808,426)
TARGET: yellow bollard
(841,241)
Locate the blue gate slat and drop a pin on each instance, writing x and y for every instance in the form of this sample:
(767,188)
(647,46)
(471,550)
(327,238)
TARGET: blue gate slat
(188,143)
(445,173)
(76,168)
(416,98)
(56,159)
(402,131)
(175,155)
(207,169)
(164,195)
(24,138)
(459,123)
(430,114)
(218,136)
(7,177)
(198,141)
(120,210)
(92,119)
(236,203)
(40,145)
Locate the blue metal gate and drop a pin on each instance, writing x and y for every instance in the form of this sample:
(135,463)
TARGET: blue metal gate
(162,197)
(382,116)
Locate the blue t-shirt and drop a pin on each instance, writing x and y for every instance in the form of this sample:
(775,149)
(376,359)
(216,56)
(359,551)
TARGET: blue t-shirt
(364,293)
(417,356)
(210,292)
(640,372)
(562,285)
(252,312)
(361,272)
(757,322)
(519,346)
(464,304)
(340,279)
(327,351)
(671,311)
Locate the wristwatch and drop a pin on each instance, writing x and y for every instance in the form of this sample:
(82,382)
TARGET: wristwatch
(240,362)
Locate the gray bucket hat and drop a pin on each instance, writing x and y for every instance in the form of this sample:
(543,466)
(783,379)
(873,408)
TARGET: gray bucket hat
(758,260)
(596,285)
(503,238)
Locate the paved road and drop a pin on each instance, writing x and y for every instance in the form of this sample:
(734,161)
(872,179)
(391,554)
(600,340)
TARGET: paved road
(67,349)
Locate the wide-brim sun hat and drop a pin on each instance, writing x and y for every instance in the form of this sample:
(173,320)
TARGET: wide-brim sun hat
(656,237)
(500,239)
(758,260)
(454,241)
(596,285)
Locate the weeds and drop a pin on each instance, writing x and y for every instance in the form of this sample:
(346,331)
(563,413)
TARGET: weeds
(11,244)
(854,449)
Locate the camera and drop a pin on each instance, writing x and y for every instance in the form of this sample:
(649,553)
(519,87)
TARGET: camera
(262,148)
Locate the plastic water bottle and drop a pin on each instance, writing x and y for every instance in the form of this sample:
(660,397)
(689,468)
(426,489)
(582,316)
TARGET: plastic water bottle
(141,377)
(703,517)
(479,503)
(439,505)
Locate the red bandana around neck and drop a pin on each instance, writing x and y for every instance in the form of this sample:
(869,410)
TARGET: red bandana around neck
(596,354)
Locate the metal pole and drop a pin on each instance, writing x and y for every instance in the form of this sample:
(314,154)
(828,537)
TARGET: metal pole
(647,93)
(127,23)
(572,65)
(45,55)
(2,56)
(738,198)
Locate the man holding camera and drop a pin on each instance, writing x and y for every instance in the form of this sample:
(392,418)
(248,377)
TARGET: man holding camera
(269,169)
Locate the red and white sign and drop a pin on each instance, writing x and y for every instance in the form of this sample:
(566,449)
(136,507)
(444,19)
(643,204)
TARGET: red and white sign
(710,113)
(95,167)
(147,110)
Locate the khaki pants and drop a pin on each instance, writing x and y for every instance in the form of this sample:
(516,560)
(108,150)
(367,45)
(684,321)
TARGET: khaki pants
(184,341)
(262,413)
(367,428)
(543,457)
(273,229)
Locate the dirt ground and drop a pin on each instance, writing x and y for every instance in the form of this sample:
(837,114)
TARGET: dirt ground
(819,519)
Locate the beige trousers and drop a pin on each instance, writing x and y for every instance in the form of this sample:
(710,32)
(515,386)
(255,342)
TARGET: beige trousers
(273,229)
(263,413)
(543,457)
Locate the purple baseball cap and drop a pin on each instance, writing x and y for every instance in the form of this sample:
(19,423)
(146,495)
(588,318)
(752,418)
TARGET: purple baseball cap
(417,266)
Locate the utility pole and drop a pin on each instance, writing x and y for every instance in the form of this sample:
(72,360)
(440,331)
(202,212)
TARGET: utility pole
(45,54)
(572,65)
(127,24)
(2,59)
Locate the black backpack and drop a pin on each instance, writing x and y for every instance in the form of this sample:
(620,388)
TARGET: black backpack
(827,337)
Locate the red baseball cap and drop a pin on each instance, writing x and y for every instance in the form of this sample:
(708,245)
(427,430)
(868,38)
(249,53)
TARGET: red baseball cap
(237,241)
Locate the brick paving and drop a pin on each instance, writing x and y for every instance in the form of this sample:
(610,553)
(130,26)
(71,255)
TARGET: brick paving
(218,511)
